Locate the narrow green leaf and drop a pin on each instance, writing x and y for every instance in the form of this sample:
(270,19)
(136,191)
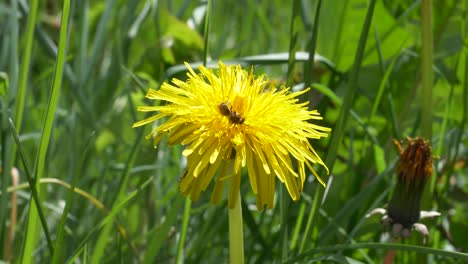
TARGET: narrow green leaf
(426,69)
(32,234)
(386,246)
(338,131)
(293,36)
(33,186)
(101,243)
(108,219)
(159,234)
(379,157)
(59,251)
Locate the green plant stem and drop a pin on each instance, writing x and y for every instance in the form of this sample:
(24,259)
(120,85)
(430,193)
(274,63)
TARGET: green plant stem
(183,233)
(236,233)
(426,67)
(297,228)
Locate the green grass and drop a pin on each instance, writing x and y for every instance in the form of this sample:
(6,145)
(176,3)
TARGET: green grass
(72,74)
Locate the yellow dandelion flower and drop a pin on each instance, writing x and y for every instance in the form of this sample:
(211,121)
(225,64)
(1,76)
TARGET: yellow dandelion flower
(229,120)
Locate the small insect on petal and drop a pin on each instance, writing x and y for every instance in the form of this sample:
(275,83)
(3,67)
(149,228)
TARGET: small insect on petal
(224,109)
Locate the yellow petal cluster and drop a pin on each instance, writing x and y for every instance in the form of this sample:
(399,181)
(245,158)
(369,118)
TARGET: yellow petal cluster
(230,121)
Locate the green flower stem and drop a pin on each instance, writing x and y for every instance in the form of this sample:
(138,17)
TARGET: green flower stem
(236,233)
(183,234)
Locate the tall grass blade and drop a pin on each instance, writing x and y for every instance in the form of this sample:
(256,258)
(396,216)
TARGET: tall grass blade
(101,243)
(31,233)
(293,37)
(455,256)
(33,185)
(426,68)
(338,131)
(312,46)
(59,245)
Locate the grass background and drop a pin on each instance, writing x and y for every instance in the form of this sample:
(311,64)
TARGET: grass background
(73,72)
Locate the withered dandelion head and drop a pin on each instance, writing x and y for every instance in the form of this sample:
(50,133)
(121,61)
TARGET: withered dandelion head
(229,120)
(415,163)
(413,170)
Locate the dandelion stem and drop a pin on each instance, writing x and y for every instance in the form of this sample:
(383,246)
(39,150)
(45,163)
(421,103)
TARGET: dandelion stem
(236,233)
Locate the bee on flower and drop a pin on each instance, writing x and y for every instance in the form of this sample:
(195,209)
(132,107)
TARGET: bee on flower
(230,120)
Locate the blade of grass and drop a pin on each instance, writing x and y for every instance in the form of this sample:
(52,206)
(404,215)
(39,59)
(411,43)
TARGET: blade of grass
(25,64)
(31,233)
(58,256)
(32,185)
(339,102)
(397,24)
(349,96)
(253,227)
(338,131)
(101,243)
(108,219)
(354,204)
(385,78)
(442,138)
(262,59)
(378,149)
(297,227)
(81,58)
(343,232)
(293,35)
(426,67)
(100,38)
(8,152)
(387,86)
(312,45)
(457,256)
(464,119)
(159,234)
(337,52)
(206,32)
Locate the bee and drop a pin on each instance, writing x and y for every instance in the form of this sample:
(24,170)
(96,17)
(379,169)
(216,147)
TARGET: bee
(224,109)
(234,117)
